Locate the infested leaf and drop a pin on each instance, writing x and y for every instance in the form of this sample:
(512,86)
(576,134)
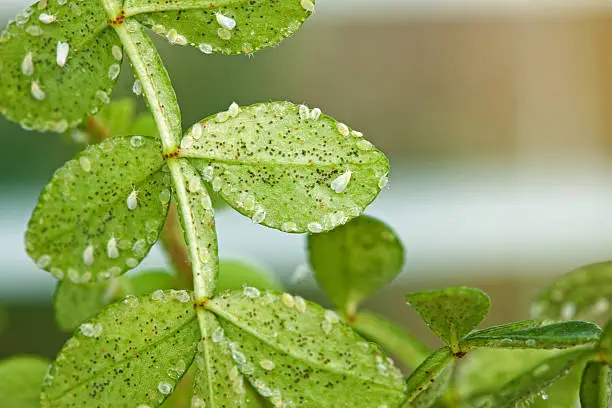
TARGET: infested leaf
(280,167)
(355,260)
(595,389)
(294,351)
(556,335)
(584,292)
(101,212)
(451,313)
(225,27)
(77,302)
(58,65)
(529,384)
(393,338)
(434,392)
(134,352)
(21,381)
(234,275)
(424,377)
(218,381)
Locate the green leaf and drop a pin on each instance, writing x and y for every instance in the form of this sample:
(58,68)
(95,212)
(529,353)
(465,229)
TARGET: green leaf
(218,381)
(133,352)
(533,381)
(434,391)
(21,381)
(393,338)
(595,389)
(425,376)
(75,303)
(583,293)
(279,169)
(605,342)
(83,227)
(451,313)
(556,335)
(294,351)
(234,275)
(355,260)
(256,24)
(35,90)
(484,370)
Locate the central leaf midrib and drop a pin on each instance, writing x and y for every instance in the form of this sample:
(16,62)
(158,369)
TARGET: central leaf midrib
(228,318)
(147,347)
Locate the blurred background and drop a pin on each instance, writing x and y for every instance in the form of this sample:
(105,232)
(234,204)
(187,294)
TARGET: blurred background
(495,115)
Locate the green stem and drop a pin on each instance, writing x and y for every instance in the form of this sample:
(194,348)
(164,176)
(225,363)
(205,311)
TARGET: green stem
(199,230)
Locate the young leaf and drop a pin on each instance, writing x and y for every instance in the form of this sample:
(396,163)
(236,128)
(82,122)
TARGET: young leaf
(287,169)
(556,335)
(355,260)
(393,338)
(75,303)
(583,292)
(529,384)
(218,382)
(294,351)
(434,391)
(595,389)
(58,66)
(507,328)
(133,352)
(21,381)
(451,313)
(229,27)
(102,211)
(234,275)
(425,376)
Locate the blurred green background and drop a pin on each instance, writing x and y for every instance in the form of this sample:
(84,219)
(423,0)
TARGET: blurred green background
(495,116)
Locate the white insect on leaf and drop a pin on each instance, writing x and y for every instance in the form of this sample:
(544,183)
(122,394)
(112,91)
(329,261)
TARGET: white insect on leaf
(226,22)
(111,248)
(132,200)
(47,18)
(27,65)
(340,183)
(62,53)
(88,255)
(37,92)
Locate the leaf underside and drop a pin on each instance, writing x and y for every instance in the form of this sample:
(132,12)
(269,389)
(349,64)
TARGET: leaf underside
(133,352)
(67,94)
(355,260)
(84,208)
(277,168)
(595,389)
(426,375)
(295,352)
(556,335)
(21,381)
(582,293)
(259,24)
(451,313)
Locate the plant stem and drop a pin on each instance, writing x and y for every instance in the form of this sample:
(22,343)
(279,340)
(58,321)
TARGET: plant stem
(173,243)
(158,92)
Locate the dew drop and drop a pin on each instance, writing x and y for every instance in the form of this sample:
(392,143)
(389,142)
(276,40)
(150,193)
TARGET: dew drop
(131,262)
(137,87)
(88,255)
(114,71)
(197,402)
(181,295)
(136,141)
(225,22)
(356,133)
(218,335)
(43,261)
(207,173)
(139,246)
(111,248)
(131,300)
(300,304)
(217,184)
(37,92)
(326,326)
(91,330)
(194,185)
(233,110)
(158,295)
(177,369)
(158,29)
(187,142)
(164,197)
(103,96)
(27,65)
(267,365)
(196,132)
(315,227)
(85,164)
(62,2)
(383,181)
(288,300)
(164,388)
(34,30)
(175,38)
(289,227)
(222,117)
(315,114)
(117,52)
(307,5)
(364,145)
(62,53)
(73,275)
(304,112)
(341,182)
(205,48)
(251,292)
(343,129)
